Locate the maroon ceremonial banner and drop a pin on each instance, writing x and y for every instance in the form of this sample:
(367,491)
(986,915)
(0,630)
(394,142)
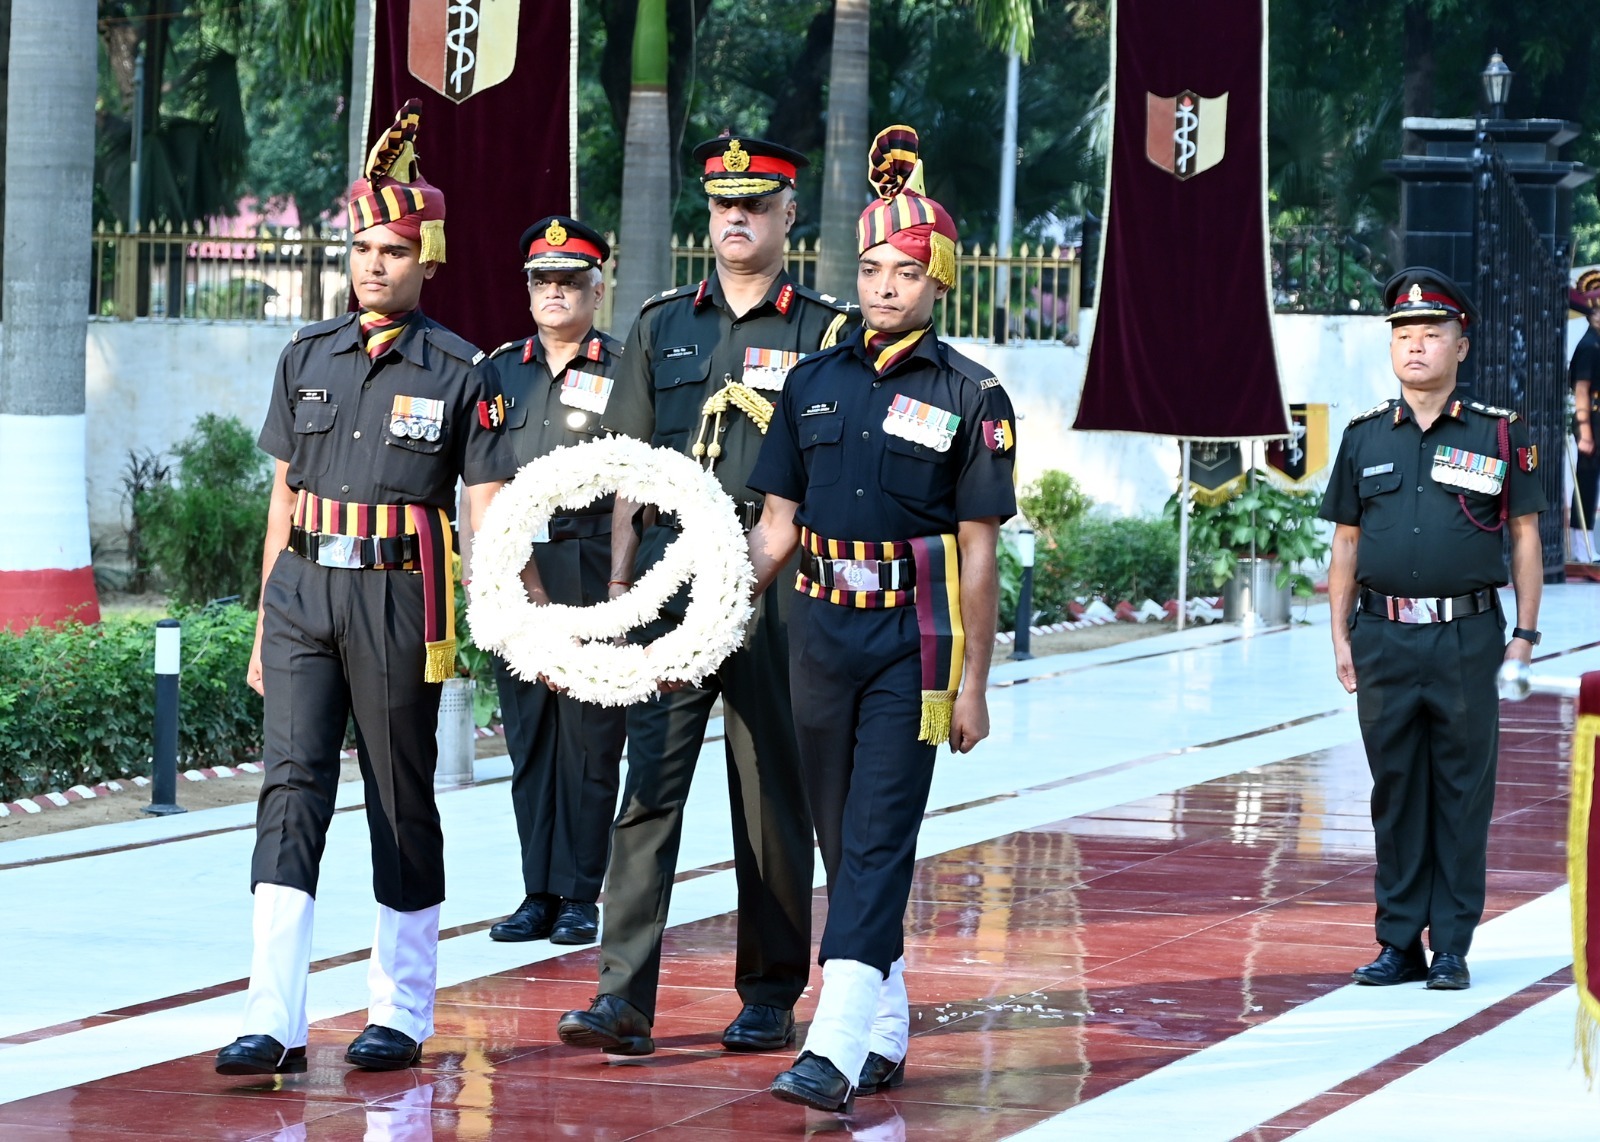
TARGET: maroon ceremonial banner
(1583,871)
(1183,326)
(494,77)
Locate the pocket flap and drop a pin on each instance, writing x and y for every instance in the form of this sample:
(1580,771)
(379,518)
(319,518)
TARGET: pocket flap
(903,447)
(816,430)
(684,371)
(1378,485)
(314,416)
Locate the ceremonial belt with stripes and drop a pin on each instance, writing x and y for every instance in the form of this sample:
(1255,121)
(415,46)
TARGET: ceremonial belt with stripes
(388,537)
(922,572)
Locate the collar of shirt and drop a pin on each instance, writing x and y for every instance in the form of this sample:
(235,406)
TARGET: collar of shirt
(712,295)
(1402,411)
(929,348)
(583,356)
(411,344)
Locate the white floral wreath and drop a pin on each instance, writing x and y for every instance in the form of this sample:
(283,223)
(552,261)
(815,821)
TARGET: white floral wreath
(572,646)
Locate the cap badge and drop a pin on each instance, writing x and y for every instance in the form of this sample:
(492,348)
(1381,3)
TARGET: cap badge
(555,234)
(735,158)
(1415,295)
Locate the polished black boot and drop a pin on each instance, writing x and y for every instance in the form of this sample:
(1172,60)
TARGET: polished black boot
(260,1055)
(878,1074)
(1448,972)
(578,922)
(760,1028)
(613,1024)
(383,1049)
(1393,965)
(532,920)
(815,1082)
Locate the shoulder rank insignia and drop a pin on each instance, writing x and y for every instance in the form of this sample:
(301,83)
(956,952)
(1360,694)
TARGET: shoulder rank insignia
(478,356)
(1491,410)
(527,350)
(503,348)
(700,293)
(1372,412)
(594,348)
(785,298)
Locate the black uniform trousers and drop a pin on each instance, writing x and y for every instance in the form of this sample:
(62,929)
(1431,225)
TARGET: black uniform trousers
(1585,485)
(1430,720)
(337,643)
(773,852)
(856,676)
(565,754)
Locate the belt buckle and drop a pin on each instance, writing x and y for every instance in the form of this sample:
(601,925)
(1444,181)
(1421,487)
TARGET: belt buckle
(856,574)
(1418,611)
(341,551)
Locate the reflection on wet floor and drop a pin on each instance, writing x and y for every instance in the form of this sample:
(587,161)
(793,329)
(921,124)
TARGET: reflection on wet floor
(1045,967)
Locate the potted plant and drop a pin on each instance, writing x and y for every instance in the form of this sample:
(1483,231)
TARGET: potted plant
(1252,543)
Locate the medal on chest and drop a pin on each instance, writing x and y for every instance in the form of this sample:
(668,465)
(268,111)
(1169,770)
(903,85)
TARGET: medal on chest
(767,368)
(921,422)
(419,418)
(588,391)
(1464,471)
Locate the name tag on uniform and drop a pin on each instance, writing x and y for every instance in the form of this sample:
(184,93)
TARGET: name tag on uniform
(821,408)
(419,418)
(1468,471)
(316,396)
(588,391)
(767,368)
(1376,470)
(678,352)
(921,422)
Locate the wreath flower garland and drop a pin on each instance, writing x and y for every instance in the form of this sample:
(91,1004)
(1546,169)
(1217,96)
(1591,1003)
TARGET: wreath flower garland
(572,646)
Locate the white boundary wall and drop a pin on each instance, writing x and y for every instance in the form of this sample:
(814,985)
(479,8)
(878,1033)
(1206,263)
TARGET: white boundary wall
(149,381)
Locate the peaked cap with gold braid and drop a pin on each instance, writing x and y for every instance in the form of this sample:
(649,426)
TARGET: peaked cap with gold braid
(394,193)
(904,216)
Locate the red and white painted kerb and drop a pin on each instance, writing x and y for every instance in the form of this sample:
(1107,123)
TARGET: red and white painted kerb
(45,571)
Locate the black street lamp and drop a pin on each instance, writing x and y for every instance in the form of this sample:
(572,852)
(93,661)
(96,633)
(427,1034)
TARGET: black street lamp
(1497,85)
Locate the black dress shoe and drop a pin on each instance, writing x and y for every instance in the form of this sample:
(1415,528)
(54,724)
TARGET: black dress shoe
(1448,972)
(260,1055)
(1393,965)
(814,1082)
(760,1028)
(532,920)
(578,922)
(383,1049)
(878,1074)
(613,1024)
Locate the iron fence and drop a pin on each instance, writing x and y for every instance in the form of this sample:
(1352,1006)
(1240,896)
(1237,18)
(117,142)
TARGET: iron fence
(1324,269)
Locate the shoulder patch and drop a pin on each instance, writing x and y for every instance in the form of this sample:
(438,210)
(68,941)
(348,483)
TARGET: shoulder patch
(1491,410)
(454,344)
(508,345)
(1375,410)
(989,383)
(319,329)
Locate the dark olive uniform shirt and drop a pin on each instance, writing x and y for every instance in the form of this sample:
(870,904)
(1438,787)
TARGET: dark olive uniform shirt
(539,417)
(1416,538)
(332,409)
(1585,365)
(828,448)
(687,344)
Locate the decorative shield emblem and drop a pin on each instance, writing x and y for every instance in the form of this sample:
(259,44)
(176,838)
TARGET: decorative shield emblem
(1305,453)
(462,47)
(1185,134)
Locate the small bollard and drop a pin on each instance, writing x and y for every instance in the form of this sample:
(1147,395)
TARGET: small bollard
(164,758)
(1019,648)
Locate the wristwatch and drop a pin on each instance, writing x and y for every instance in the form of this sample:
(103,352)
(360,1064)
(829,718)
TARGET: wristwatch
(1532,636)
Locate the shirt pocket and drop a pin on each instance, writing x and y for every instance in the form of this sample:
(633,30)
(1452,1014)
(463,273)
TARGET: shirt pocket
(680,392)
(819,439)
(416,469)
(1379,507)
(914,473)
(312,445)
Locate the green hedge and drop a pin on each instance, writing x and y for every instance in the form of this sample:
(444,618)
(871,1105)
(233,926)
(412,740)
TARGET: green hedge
(1133,558)
(77,703)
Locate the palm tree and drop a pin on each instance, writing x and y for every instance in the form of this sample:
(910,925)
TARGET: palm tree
(45,572)
(1005,24)
(645,238)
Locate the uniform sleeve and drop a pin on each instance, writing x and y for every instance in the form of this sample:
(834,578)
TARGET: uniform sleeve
(486,453)
(986,484)
(1340,503)
(780,470)
(1582,366)
(630,410)
(277,434)
(1526,492)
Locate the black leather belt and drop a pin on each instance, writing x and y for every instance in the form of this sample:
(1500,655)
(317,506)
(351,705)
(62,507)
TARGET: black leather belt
(580,526)
(749,514)
(353,551)
(1398,608)
(859,574)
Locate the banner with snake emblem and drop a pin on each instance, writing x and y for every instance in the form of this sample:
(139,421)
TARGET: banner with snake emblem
(462,47)
(1186,134)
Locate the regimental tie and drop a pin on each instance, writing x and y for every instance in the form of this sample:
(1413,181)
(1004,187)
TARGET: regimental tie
(886,350)
(378,330)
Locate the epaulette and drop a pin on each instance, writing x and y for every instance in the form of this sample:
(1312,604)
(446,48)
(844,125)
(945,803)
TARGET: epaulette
(612,345)
(839,305)
(455,344)
(1375,410)
(517,344)
(665,295)
(319,329)
(1490,410)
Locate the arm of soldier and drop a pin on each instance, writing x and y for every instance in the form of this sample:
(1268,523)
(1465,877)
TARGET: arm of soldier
(1527,578)
(976,540)
(280,516)
(772,541)
(478,499)
(630,412)
(1342,599)
(1581,404)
